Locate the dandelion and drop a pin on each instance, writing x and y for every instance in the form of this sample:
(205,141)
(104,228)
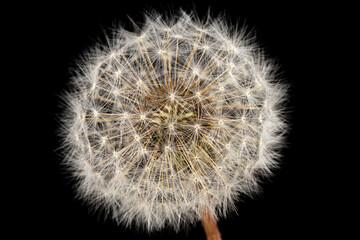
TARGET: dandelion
(173,123)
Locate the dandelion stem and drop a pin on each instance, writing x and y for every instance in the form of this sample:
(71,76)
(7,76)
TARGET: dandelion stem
(210,226)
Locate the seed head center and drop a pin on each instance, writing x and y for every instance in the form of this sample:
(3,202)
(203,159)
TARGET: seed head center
(173,116)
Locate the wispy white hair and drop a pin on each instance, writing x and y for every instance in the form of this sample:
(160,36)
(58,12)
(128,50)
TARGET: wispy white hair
(180,117)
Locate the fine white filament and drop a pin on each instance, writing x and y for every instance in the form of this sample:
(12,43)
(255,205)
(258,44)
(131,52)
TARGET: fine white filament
(175,119)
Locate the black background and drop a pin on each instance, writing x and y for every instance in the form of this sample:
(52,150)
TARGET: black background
(292,202)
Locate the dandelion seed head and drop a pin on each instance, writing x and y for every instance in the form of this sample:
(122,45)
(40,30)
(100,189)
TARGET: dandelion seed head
(177,117)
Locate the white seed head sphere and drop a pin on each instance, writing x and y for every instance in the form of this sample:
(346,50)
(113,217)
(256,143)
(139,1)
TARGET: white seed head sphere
(179,118)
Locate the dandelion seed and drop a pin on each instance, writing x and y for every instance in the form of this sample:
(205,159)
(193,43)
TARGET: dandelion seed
(185,75)
(118,73)
(260,119)
(172,96)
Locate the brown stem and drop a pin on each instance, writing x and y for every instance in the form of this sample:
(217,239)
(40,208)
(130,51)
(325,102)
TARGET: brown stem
(210,226)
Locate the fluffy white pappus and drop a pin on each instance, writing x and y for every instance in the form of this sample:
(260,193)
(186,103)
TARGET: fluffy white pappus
(174,120)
